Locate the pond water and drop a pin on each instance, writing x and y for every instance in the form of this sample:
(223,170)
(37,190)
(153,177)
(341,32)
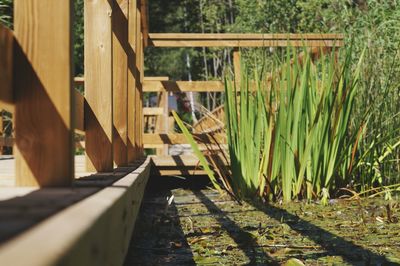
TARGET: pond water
(198,226)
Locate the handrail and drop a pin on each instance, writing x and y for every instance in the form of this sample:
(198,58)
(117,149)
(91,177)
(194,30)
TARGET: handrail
(244,40)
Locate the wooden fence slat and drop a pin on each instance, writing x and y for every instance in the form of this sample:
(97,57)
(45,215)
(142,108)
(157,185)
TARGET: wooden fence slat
(139,82)
(182,86)
(245,43)
(177,138)
(132,77)
(98,85)
(79,111)
(43,93)
(144,21)
(243,40)
(153,111)
(162,121)
(236,66)
(6,65)
(246,36)
(120,81)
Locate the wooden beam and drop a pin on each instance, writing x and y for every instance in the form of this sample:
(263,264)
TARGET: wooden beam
(98,85)
(161,78)
(120,81)
(6,65)
(94,231)
(132,76)
(247,36)
(139,83)
(6,142)
(79,81)
(162,121)
(236,66)
(144,11)
(176,138)
(243,40)
(172,160)
(182,86)
(1,133)
(153,111)
(43,93)
(79,111)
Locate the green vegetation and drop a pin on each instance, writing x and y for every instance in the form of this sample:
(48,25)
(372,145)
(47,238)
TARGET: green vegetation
(373,25)
(289,133)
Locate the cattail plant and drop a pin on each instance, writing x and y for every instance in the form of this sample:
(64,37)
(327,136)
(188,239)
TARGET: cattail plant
(288,133)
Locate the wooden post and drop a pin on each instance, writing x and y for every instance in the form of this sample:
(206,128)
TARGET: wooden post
(98,85)
(1,131)
(144,21)
(236,66)
(132,80)
(43,89)
(139,91)
(135,81)
(162,120)
(120,81)
(6,65)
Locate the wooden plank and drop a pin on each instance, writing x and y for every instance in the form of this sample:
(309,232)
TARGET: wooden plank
(120,81)
(174,160)
(98,85)
(153,146)
(244,40)
(161,78)
(139,83)
(245,43)
(79,111)
(176,138)
(132,80)
(1,133)
(236,66)
(6,141)
(162,121)
(79,81)
(153,111)
(6,65)
(94,231)
(183,86)
(145,21)
(43,93)
(9,142)
(178,172)
(247,36)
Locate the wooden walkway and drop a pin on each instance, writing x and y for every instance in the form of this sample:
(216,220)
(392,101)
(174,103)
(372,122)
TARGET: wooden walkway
(7,169)
(95,214)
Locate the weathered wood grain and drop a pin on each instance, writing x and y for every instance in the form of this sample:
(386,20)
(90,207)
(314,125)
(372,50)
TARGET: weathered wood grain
(79,112)
(6,65)
(177,138)
(43,93)
(243,40)
(120,81)
(183,86)
(94,231)
(132,80)
(98,85)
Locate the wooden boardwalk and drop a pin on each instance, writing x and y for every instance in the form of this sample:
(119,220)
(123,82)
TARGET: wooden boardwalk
(7,169)
(77,218)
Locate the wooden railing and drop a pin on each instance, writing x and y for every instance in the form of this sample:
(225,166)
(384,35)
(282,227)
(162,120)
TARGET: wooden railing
(36,80)
(37,85)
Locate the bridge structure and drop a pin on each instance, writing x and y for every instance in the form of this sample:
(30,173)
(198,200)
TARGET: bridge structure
(58,208)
